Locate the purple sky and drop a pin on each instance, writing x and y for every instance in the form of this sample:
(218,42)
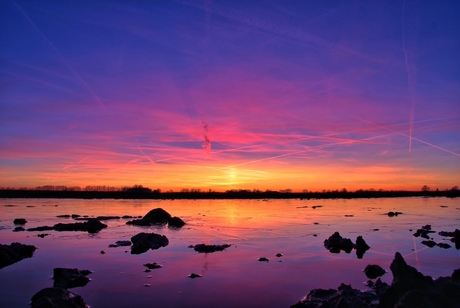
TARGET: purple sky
(230,94)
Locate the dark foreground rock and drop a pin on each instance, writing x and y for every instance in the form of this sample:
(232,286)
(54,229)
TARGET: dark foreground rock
(335,243)
(409,288)
(67,278)
(361,247)
(157,216)
(15,252)
(142,242)
(203,248)
(57,298)
(373,271)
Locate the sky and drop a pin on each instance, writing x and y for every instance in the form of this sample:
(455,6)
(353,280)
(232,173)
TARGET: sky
(181,94)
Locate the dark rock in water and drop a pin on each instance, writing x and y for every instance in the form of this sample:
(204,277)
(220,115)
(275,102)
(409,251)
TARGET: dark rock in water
(343,296)
(102,252)
(15,252)
(361,247)
(279,255)
(107,217)
(203,248)
(193,275)
(410,288)
(18,229)
(392,214)
(63,216)
(335,243)
(57,298)
(444,245)
(153,265)
(19,221)
(156,216)
(373,271)
(424,231)
(120,243)
(263,259)
(145,241)
(43,228)
(430,244)
(42,235)
(67,278)
(316,206)
(175,222)
(91,226)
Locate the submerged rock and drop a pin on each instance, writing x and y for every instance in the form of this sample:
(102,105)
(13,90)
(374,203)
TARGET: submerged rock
(42,228)
(193,275)
(18,229)
(93,225)
(142,242)
(67,278)
(430,244)
(19,221)
(373,271)
(15,252)
(203,248)
(121,243)
(153,265)
(57,298)
(335,243)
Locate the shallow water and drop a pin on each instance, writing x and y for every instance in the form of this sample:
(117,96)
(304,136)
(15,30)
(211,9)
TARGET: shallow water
(234,277)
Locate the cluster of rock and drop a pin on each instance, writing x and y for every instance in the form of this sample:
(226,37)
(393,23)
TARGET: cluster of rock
(59,295)
(425,230)
(91,225)
(409,288)
(336,243)
(10,254)
(158,216)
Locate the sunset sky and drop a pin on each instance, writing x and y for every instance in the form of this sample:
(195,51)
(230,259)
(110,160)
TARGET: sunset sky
(230,94)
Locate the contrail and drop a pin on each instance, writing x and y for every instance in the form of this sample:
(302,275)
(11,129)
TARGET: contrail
(61,57)
(207,143)
(410,79)
(416,139)
(148,157)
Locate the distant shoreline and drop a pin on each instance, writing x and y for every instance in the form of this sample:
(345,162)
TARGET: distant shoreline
(242,194)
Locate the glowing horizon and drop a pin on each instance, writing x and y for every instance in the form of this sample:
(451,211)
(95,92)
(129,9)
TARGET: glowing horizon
(223,95)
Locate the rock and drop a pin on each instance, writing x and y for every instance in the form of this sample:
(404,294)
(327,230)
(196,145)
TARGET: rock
(443,245)
(423,232)
(43,228)
(19,221)
(42,235)
(361,247)
(145,241)
(203,248)
(175,222)
(392,214)
(335,243)
(102,252)
(430,244)
(373,271)
(67,278)
(18,229)
(193,275)
(263,259)
(120,243)
(156,216)
(91,226)
(107,217)
(343,296)
(57,298)
(279,255)
(153,265)
(15,252)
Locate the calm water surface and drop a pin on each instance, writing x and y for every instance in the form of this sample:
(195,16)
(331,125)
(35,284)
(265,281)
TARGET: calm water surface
(234,277)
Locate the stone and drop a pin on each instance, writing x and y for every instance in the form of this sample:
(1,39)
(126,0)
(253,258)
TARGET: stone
(361,247)
(142,242)
(57,298)
(153,265)
(335,243)
(430,244)
(18,229)
(67,278)
(175,222)
(373,271)
(193,275)
(10,254)
(263,259)
(156,216)
(19,221)
(203,248)
(92,225)
(121,244)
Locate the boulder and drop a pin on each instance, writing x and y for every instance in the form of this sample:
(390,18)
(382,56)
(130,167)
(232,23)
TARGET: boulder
(373,271)
(67,278)
(203,248)
(335,243)
(156,216)
(19,221)
(175,222)
(15,252)
(92,225)
(142,242)
(361,247)
(57,298)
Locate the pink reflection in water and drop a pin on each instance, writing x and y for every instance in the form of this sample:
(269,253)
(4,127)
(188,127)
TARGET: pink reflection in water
(234,277)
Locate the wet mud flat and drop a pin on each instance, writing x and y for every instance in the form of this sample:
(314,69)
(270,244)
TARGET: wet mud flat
(237,250)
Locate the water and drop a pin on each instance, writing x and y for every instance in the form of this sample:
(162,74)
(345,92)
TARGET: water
(234,277)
